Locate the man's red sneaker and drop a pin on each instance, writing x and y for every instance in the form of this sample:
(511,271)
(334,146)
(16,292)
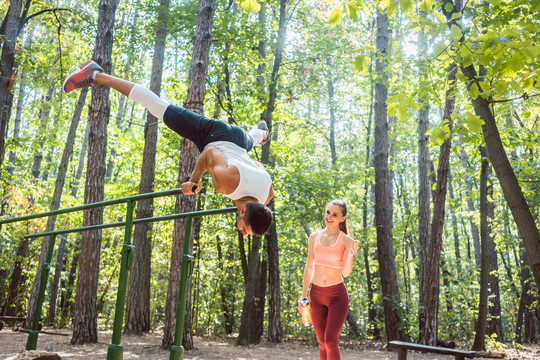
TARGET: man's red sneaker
(82,77)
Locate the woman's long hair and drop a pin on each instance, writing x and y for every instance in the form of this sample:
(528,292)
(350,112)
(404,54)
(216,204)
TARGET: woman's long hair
(341,204)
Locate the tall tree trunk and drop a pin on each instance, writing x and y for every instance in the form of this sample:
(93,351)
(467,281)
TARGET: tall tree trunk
(55,203)
(481,322)
(330,88)
(248,308)
(194,102)
(138,299)
(274,301)
(82,155)
(226,287)
(383,218)
(373,312)
(10,305)
(8,66)
(53,296)
(66,301)
(85,319)
(470,204)
(122,98)
(503,169)
(433,275)
(44,114)
(432,287)
(424,188)
(454,222)
(495,315)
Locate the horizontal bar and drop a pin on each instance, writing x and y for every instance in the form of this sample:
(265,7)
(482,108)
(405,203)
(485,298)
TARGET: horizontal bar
(95,205)
(135,221)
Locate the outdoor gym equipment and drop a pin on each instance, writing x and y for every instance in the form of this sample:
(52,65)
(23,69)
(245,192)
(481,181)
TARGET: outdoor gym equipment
(115,350)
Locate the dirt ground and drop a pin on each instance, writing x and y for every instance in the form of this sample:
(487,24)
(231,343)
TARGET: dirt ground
(147,347)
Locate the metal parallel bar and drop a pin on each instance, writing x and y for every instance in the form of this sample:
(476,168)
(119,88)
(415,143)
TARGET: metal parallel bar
(95,205)
(177,350)
(31,342)
(137,221)
(115,350)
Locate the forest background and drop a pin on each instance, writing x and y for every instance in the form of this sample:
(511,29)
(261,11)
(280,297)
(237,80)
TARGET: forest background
(422,116)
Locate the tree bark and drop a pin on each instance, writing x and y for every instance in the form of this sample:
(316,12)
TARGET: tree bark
(494,306)
(82,155)
(470,204)
(432,288)
(138,299)
(506,176)
(481,322)
(85,319)
(194,102)
(55,204)
(248,308)
(424,188)
(44,114)
(383,204)
(11,306)
(56,281)
(8,66)
(274,301)
(226,288)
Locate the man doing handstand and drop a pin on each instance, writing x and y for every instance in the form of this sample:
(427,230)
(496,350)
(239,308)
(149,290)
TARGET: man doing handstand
(224,148)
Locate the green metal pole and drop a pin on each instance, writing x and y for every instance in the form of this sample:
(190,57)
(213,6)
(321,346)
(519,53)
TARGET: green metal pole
(115,350)
(31,343)
(177,350)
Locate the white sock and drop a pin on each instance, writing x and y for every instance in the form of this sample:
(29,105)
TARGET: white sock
(149,100)
(94,74)
(257,135)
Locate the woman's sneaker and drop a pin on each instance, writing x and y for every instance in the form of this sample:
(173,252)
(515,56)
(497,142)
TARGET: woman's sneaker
(82,77)
(262,126)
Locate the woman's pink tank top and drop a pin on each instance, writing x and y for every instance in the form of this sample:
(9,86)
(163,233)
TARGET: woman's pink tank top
(329,255)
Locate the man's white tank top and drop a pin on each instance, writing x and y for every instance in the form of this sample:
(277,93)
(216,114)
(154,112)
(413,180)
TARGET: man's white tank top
(254,180)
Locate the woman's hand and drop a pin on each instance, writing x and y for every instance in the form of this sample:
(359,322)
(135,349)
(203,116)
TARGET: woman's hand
(354,248)
(300,303)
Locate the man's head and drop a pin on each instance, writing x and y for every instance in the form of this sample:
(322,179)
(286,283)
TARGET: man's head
(254,219)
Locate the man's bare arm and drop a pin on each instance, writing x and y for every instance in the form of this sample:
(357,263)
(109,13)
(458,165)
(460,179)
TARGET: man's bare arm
(224,178)
(270,195)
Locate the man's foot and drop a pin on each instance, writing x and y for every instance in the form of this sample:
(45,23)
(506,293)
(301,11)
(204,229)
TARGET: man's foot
(262,126)
(82,77)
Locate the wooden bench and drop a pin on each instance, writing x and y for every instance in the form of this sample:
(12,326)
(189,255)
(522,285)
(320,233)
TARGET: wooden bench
(7,319)
(402,348)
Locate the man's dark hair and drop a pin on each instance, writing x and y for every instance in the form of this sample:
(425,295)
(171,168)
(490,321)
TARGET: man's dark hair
(259,217)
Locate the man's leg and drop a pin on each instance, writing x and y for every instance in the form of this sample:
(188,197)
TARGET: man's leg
(91,73)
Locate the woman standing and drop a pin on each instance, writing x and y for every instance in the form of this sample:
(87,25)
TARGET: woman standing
(330,257)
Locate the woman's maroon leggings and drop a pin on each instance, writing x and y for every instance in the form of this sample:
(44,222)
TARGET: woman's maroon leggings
(329,307)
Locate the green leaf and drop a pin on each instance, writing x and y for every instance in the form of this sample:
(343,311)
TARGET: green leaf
(426,5)
(440,17)
(335,16)
(474,123)
(392,107)
(384,4)
(456,33)
(406,6)
(249,5)
(391,11)
(402,111)
(474,91)
(352,11)
(440,134)
(532,51)
(360,64)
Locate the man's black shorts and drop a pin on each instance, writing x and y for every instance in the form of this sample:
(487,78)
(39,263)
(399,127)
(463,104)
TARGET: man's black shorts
(202,130)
